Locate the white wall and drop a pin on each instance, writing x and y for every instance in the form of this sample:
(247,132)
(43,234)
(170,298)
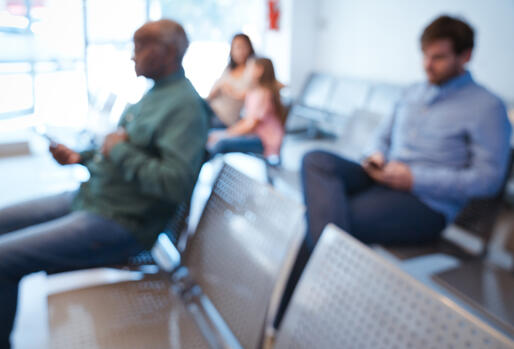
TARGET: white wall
(304,40)
(379,40)
(292,47)
(277,44)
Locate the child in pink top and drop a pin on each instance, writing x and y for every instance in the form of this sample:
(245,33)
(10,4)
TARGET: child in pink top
(261,130)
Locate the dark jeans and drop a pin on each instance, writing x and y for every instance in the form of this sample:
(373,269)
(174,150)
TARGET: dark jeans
(243,144)
(45,234)
(339,191)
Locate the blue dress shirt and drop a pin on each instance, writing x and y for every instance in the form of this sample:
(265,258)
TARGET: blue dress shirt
(455,139)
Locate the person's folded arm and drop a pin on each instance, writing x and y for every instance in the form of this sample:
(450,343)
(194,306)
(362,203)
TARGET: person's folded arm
(490,151)
(86,155)
(261,106)
(243,127)
(171,174)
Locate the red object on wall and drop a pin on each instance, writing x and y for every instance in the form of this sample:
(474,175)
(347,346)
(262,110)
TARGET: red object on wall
(274,14)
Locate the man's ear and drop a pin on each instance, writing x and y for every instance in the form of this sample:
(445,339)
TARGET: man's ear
(171,52)
(465,56)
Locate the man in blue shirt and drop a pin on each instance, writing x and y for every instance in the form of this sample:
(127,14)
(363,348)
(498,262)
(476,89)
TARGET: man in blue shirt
(446,142)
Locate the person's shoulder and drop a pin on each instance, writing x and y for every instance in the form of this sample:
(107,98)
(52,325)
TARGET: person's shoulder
(180,94)
(482,96)
(184,89)
(484,104)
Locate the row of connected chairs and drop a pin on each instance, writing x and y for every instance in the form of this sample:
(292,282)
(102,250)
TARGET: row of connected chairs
(223,290)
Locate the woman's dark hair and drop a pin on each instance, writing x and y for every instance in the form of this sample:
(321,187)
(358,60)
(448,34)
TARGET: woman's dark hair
(445,27)
(268,80)
(232,64)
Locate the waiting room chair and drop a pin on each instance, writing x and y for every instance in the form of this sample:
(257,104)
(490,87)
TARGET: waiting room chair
(311,106)
(350,297)
(233,272)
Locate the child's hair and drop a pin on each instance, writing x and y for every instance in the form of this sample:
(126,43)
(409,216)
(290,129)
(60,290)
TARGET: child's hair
(232,64)
(269,81)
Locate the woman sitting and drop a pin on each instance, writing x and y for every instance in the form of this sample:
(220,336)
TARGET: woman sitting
(261,130)
(227,96)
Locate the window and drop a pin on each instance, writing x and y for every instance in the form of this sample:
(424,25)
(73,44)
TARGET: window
(41,63)
(59,55)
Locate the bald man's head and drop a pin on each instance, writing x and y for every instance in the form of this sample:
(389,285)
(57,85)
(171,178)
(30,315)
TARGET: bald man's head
(159,48)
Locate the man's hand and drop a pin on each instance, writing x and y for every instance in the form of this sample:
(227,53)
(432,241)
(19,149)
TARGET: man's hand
(375,161)
(64,155)
(396,175)
(112,139)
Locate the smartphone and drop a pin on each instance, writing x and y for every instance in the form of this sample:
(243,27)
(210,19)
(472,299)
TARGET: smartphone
(41,131)
(374,165)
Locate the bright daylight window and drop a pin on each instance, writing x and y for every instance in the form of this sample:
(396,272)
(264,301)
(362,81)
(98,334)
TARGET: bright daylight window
(58,55)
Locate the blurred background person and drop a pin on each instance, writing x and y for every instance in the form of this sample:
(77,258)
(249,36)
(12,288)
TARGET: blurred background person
(261,130)
(227,95)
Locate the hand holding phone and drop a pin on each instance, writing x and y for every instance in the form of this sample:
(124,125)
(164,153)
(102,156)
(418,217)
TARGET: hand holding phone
(41,131)
(375,161)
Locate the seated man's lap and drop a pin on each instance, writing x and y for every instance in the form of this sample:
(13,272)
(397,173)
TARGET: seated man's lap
(325,165)
(25,214)
(76,240)
(387,216)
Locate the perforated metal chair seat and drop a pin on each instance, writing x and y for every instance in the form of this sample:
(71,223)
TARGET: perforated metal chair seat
(133,314)
(238,258)
(350,297)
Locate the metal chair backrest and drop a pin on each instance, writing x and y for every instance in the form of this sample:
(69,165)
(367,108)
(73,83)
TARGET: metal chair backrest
(242,252)
(350,297)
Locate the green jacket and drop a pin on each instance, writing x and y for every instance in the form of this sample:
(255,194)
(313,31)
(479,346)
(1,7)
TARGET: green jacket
(143,180)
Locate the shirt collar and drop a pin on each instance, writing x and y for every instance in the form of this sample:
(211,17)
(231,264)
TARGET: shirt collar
(456,82)
(435,92)
(178,74)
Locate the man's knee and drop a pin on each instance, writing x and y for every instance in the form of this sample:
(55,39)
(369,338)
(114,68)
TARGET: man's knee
(317,159)
(323,161)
